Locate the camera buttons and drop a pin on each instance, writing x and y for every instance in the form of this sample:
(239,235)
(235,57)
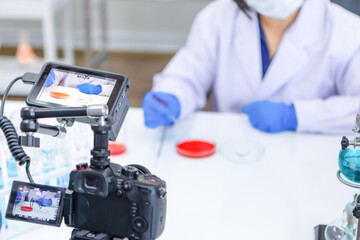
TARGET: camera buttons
(162,193)
(127,185)
(81,166)
(139,224)
(119,193)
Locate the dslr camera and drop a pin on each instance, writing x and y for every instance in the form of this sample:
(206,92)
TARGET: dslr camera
(103,200)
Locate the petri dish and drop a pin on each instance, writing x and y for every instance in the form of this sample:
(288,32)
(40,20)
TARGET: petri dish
(195,148)
(59,95)
(248,151)
(26,209)
(117,149)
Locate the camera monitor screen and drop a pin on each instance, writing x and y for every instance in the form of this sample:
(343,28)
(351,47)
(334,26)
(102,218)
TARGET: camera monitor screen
(36,203)
(75,89)
(62,85)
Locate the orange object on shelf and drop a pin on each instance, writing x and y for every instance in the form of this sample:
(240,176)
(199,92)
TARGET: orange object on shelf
(196,148)
(24,52)
(59,95)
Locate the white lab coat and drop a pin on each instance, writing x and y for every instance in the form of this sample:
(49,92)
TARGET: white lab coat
(316,67)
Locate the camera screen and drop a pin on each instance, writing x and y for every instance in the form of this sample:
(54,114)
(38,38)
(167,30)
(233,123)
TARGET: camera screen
(36,203)
(74,89)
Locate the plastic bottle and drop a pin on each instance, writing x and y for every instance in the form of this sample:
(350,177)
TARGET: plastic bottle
(4,223)
(12,169)
(48,156)
(82,142)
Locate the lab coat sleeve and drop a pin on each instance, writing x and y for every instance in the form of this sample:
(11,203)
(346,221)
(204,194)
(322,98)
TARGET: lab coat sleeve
(60,78)
(335,114)
(106,90)
(190,74)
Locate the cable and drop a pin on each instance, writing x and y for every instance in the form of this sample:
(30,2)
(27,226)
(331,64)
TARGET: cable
(12,137)
(6,94)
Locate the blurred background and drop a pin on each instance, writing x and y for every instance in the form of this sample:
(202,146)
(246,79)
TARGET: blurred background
(133,37)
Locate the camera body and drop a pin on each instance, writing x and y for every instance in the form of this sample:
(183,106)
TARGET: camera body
(122,201)
(104,200)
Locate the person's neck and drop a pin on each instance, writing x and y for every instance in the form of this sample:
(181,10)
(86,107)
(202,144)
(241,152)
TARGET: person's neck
(278,25)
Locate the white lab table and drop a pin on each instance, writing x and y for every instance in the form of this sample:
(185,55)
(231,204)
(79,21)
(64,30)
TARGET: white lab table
(292,188)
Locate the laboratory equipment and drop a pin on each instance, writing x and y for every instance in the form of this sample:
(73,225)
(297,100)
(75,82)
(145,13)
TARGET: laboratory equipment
(345,228)
(104,199)
(348,174)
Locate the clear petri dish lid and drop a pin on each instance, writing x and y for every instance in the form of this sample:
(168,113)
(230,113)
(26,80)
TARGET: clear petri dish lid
(81,98)
(242,152)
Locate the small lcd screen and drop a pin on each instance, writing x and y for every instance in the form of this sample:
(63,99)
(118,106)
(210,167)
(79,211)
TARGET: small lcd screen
(35,204)
(74,89)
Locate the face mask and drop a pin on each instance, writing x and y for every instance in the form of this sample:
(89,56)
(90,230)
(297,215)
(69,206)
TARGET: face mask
(275,8)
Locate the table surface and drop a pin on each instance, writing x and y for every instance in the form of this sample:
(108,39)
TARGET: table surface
(292,188)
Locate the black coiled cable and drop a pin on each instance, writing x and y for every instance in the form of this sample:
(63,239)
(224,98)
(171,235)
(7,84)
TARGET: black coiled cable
(12,137)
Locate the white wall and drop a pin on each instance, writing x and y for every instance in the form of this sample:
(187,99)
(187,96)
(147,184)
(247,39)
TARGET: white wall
(133,25)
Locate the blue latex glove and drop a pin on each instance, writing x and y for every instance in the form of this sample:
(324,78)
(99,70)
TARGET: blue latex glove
(89,88)
(271,117)
(44,202)
(18,197)
(50,79)
(160,109)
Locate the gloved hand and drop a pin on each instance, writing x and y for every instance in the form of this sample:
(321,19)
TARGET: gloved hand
(44,202)
(89,88)
(271,117)
(50,79)
(160,109)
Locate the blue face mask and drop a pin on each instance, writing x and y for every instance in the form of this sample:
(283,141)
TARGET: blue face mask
(281,9)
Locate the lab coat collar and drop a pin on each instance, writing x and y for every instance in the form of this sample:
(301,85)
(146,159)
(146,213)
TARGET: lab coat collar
(247,48)
(310,26)
(292,56)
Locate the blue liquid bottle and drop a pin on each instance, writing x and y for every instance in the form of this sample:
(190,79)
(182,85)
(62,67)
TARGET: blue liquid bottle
(349,163)
(12,169)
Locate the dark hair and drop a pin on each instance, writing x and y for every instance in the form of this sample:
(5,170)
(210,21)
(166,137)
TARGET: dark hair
(242,5)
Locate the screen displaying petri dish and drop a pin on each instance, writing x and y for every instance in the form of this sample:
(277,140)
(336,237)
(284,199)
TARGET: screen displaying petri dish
(74,89)
(36,204)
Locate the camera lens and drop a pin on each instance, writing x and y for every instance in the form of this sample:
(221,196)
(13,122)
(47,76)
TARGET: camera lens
(92,182)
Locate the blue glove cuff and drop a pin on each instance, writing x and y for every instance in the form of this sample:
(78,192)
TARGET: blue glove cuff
(98,89)
(292,119)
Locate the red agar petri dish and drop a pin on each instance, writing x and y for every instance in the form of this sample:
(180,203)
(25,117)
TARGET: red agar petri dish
(26,209)
(59,95)
(196,148)
(116,149)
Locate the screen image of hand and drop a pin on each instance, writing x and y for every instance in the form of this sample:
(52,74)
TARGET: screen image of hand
(271,117)
(160,109)
(50,79)
(44,202)
(89,88)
